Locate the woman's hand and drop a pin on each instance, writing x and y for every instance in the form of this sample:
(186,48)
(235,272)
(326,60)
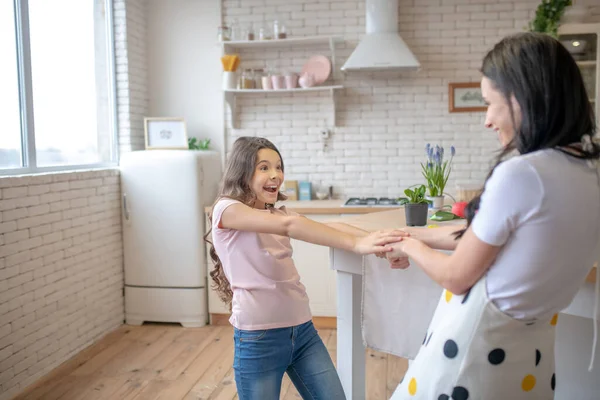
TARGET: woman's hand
(399,263)
(378,241)
(397,251)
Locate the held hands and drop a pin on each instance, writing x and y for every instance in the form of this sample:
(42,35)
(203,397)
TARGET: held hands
(397,258)
(378,242)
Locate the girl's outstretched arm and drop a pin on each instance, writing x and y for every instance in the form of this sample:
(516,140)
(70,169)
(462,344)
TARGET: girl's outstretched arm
(243,218)
(342,227)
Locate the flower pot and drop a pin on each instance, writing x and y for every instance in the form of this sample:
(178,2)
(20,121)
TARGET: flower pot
(437,202)
(416,214)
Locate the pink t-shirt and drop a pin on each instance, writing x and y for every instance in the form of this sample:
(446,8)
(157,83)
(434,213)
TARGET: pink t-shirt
(267,292)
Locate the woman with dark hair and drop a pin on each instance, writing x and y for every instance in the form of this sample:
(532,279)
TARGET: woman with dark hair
(530,240)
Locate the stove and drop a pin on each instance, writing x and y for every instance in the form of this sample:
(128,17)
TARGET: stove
(371,202)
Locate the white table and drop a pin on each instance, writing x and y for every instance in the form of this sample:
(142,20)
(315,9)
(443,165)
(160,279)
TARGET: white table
(351,352)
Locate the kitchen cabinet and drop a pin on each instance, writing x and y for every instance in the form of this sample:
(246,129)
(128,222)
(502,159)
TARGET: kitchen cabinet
(582,41)
(312,262)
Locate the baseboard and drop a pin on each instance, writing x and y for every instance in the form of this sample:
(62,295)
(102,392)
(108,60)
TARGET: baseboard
(320,322)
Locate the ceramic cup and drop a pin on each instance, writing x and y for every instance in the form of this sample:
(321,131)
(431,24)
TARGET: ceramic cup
(229,80)
(278,82)
(266,83)
(291,81)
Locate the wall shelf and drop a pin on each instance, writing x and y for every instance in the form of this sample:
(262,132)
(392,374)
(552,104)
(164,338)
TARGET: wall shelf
(230,98)
(296,90)
(275,43)
(230,47)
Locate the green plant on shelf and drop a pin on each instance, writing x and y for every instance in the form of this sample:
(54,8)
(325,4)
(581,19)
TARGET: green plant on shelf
(548,15)
(195,144)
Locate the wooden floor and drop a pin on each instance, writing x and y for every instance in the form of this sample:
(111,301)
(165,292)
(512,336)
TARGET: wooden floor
(170,362)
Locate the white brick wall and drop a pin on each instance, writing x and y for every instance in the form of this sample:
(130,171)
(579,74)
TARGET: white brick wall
(385,119)
(61,270)
(131,70)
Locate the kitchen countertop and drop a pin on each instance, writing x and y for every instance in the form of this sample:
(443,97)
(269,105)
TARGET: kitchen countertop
(327,207)
(388,219)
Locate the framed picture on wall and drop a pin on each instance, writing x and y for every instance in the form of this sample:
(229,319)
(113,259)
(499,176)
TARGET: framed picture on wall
(465,97)
(165,133)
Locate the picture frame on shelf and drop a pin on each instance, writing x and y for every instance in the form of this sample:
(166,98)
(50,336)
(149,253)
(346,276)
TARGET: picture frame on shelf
(465,97)
(165,133)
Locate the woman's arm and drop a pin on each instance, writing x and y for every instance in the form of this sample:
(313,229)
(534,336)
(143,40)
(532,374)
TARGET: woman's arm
(438,238)
(456,272)
(243,218)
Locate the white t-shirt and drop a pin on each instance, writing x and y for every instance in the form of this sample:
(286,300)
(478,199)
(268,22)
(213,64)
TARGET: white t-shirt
(544,209)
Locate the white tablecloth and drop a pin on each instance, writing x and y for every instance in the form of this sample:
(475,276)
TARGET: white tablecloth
(397,306)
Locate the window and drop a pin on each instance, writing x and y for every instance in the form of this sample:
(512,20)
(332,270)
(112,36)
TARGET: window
(10,139)
(59,84)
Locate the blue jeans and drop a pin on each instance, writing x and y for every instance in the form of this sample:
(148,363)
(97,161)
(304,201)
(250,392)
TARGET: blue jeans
(262,357)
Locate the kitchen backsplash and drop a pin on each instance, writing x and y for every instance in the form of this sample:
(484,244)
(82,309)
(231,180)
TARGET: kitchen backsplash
(384,119)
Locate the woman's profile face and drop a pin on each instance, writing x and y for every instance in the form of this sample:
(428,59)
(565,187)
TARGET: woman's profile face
(498,115)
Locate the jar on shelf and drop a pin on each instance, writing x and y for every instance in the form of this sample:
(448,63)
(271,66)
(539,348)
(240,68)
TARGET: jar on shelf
(234,31)
(279,31)
(247,81)
(264,33)
(249,32)
(258,74)
(223,33)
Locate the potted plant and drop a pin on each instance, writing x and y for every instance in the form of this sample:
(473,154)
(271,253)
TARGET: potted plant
(415,206)
(436,172)
(548,15)
(196,144)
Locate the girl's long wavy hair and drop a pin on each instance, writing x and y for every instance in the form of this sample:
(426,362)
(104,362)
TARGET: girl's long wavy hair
(546,82)
(236,184)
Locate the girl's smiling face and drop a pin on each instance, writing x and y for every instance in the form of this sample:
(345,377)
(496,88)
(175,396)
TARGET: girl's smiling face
(267,178)
(498,115)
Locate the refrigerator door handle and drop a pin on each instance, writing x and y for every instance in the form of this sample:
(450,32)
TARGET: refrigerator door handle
(125,210)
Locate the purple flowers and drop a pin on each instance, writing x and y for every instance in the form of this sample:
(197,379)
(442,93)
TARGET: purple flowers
(436,171)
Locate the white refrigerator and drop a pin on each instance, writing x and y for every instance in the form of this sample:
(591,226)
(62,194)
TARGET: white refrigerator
(164,193)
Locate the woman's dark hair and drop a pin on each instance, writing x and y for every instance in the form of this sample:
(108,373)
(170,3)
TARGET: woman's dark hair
(555,108)
(236,185)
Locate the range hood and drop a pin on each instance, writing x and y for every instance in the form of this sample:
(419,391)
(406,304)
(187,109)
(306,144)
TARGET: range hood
(381,48)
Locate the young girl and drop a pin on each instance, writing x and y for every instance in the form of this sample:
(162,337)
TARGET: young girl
(527,250)
(255,273)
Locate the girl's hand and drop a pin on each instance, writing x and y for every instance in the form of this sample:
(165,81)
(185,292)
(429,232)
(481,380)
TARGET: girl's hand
(377,242)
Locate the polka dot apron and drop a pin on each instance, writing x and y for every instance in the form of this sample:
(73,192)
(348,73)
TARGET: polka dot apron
(472,350)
